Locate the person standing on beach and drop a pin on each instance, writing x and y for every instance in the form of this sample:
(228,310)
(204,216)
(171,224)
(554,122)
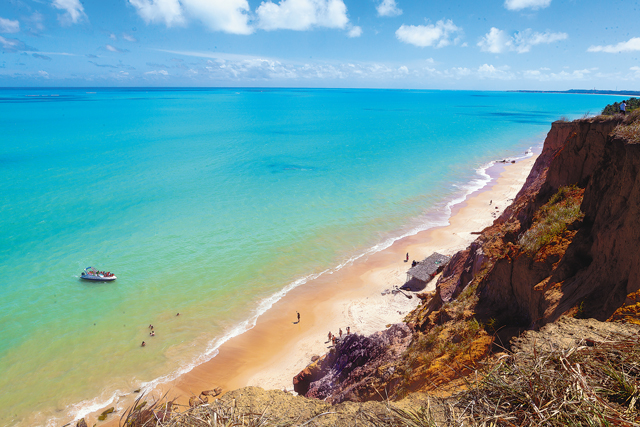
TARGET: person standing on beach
(340,332)
(298,316)
(407,260)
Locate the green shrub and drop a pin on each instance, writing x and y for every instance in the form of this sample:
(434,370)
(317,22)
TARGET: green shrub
(611,109)
(552,219)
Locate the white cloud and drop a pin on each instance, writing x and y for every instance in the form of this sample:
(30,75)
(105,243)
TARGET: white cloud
(497,41)
(129,38)
(542,76)
(115,49)
(14,45)
(113,37)
(9,26)
(628,46)
(34,23)
(355,32)
(229,16)
(524,40)
(157,72)
(437,35)
(74,12)
(43,74)
(524,4)
(491,72)
(302,14)
(388,8)
(155,11)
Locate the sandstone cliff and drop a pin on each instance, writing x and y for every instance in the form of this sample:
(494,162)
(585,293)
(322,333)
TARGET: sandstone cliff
(567,245)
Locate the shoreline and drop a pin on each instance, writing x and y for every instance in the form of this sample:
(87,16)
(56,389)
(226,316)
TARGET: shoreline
(277,348)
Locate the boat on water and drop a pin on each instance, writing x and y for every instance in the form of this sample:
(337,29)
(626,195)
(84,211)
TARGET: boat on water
(91,273)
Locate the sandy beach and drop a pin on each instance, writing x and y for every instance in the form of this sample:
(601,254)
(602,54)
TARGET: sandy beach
(278,347)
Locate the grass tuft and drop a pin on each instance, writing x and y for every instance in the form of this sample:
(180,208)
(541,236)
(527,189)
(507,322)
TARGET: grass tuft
(552,219)
(594,385)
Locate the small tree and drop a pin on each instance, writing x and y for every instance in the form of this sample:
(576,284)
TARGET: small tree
(611,109)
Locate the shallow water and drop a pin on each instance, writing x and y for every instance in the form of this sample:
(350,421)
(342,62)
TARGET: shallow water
(211,202)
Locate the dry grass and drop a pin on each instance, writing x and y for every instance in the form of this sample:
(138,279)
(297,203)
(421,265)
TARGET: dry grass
(596,384)
(592,385)
(551,220)
(629,129)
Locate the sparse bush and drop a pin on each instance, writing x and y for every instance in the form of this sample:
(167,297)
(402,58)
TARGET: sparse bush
(629,130)
(552,219)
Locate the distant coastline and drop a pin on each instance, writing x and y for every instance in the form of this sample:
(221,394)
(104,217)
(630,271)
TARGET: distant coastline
(584,91)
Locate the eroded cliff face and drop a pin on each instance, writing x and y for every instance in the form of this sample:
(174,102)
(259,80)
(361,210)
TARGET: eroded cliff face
(591,267)
(501,285)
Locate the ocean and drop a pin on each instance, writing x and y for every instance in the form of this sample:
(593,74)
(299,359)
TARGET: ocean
(211,203)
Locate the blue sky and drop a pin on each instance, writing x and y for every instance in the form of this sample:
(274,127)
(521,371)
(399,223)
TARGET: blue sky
(501,44)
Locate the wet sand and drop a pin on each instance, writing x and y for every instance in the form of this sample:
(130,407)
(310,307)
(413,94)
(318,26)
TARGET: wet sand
(278,347)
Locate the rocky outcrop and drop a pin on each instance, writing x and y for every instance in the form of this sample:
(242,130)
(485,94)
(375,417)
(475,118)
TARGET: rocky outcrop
(342,374)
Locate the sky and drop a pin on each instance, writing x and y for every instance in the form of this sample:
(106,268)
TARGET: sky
(413,44)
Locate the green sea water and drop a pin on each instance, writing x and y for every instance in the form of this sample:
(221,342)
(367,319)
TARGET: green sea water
(211,203)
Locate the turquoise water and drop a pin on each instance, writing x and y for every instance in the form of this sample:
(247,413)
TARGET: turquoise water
(211,203)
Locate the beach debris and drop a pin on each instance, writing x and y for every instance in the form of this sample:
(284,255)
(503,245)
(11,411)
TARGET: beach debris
(136,390)
(198,400)
(103,415)
(213,392)
(315,357)
(81,423)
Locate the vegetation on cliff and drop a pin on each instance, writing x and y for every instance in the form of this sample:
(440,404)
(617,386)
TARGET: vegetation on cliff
(629,129)
(552,219)
(611,109)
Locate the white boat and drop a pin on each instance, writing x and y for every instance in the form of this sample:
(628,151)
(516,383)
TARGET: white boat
(91,273)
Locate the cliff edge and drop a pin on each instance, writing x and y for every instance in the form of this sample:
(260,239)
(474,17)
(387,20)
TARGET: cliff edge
(565,247)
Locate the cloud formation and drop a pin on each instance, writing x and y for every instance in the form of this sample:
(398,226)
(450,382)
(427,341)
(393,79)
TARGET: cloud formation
(302,14)
(158,72)
(74,11)
(487,71)
(628,46)
(9,26)
(438,35)
(230,16)
(115,49)
(168,12)
(14,45)
(37,55)
(524,4)
(355,32)
(498,41)
(388,8)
